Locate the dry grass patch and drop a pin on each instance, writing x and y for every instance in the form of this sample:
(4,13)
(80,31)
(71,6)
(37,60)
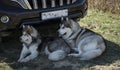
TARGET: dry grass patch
(106,5)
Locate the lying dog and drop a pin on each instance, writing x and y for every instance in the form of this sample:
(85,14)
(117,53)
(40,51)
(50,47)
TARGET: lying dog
(30,40)
(87,43)
(57,49)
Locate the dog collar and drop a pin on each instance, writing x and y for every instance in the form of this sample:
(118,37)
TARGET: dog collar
(72,36)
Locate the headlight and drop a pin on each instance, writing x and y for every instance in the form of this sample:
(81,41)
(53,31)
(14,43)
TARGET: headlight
(4,19)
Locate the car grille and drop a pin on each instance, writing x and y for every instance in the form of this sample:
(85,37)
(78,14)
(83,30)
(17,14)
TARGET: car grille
(36,4)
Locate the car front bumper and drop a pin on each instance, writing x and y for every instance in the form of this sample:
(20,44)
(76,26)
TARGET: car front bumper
(18,16)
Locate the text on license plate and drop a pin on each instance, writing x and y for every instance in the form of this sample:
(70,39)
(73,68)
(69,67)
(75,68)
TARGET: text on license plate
(54,14)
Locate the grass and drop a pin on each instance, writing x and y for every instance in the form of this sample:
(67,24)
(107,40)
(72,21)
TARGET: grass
(106,5)
(106,24)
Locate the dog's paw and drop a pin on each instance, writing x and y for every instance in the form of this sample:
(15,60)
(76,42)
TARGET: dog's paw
(74,55)
(69,55)
(24,60)
(19,60)
(84,58)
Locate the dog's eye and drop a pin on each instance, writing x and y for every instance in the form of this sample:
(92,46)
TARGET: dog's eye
(26,39)
(26,35)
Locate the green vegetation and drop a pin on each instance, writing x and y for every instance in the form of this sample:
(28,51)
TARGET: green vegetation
(108,25)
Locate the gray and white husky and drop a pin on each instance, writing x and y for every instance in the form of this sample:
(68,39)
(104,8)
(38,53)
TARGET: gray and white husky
(57,49)
(30,41)
(86,43)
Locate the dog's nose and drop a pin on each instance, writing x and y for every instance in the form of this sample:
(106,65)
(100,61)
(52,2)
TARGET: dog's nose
(57,32)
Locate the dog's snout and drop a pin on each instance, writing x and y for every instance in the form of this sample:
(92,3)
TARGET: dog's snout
(58,31)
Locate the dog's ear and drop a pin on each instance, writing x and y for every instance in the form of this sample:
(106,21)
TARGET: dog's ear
(23,26)
(67,19)
(60,25)
(28,26)
(33,32)
(67,22)
(32,29)
(75,25)
(62,19)
(29,29)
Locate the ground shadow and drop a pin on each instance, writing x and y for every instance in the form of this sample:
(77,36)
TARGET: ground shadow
(11,48)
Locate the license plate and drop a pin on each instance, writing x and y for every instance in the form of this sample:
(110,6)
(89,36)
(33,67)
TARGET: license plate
(54,14)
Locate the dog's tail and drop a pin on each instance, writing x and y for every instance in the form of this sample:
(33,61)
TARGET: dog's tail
(57,55)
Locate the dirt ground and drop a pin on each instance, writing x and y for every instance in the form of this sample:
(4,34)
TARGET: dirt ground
(11,47)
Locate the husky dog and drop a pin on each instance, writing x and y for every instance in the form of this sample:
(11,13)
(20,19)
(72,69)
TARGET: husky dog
(30,40)
(86,43)
(57,49)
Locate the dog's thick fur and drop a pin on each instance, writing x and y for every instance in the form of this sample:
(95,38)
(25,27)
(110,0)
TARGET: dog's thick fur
(57,49)
(88,44)
(30,40)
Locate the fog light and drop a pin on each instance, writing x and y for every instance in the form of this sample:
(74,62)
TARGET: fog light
(4,19)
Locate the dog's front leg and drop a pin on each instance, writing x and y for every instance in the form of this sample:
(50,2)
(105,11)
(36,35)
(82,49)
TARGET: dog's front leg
(34,54)
(24,52)
(30,57)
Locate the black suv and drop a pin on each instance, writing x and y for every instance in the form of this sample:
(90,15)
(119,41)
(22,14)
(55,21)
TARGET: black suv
(14,13)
